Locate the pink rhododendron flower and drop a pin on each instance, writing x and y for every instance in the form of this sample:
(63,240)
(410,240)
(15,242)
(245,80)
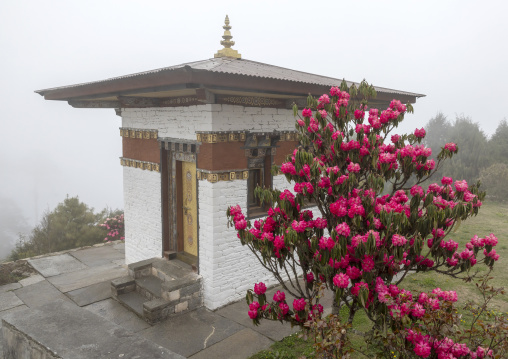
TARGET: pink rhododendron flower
(299,304)
(288,168)
(241,224)
(307,112)
(254,306)
(334,91)
(260,288)
(418,310)
(368,263)
(284,308)
(353,167)
(341,280)
(461,186)
(446,180)
(398,240)
(359,114)
(490,240)
(279,296)
(278,242)
(353,272)
(253,314)
(324,99)
(357,287)
(420,133)
(422,349)
(343,229)
(417,190)
(310,277)
(451,147)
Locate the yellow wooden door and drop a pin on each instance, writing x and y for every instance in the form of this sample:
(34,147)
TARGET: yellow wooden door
(190,208)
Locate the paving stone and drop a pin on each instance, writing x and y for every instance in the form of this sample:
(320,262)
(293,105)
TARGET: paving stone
(67,331)
(115,312)
(119,262)
(3,313)
(55,265)
(9,300)
(91,294)
(9,287)
(71,281)
(240,345)
(39,294)
(191,332)
(119,247)
(98,256)
(272,329)
(31,280)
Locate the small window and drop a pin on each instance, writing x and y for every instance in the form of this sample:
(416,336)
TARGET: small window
(255,208)
(253,181)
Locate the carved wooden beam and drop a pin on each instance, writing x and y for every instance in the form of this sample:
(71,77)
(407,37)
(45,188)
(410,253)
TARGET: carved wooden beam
(94,104)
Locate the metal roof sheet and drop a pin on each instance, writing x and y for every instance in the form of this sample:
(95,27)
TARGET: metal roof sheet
(241,67)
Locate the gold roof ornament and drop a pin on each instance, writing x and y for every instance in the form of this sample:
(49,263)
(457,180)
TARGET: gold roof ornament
(227,51)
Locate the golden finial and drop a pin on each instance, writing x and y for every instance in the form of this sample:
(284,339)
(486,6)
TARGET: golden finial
(227,51)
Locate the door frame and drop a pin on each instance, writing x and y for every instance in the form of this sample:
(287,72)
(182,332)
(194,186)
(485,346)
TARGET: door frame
(173,153)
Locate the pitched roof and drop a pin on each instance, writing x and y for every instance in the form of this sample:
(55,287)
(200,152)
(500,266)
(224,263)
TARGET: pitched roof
(199,72)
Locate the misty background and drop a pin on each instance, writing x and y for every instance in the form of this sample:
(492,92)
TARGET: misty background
(454,52)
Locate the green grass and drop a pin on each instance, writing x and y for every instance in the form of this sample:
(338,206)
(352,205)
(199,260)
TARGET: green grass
(292,347)
(492,218)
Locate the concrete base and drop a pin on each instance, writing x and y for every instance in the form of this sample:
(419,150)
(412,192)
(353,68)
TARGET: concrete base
(61,330)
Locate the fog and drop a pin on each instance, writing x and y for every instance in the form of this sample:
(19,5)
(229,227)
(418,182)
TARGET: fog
(453,51)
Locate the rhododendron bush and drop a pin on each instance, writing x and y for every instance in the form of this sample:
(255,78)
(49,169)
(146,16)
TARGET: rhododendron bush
(115,227)
(373,227)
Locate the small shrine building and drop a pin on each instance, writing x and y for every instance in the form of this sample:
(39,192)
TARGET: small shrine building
(197,138)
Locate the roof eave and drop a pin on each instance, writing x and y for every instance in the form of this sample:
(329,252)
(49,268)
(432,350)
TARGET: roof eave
(187,75)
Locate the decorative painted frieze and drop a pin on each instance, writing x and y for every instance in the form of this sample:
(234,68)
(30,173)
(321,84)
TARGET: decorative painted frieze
(149,166)
(138,133)
(216,176)
(235,136)
(251,101)
(216,137)
(187,148)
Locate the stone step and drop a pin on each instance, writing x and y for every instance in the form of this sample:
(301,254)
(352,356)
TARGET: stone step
(122,285)
(133,301)
(149,287)
(189,259)
(170,255)
(158,288)
(173,269)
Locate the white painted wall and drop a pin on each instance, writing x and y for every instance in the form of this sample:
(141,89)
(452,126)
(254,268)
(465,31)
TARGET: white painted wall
(176,122)
(239,118)
(142,213)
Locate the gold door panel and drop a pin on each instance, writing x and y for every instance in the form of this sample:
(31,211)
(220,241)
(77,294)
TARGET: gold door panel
(190,209)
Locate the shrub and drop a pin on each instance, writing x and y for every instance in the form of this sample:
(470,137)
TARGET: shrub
(362,244)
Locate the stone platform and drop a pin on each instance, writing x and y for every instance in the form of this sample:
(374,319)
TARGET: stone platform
(82,279)
(62,330)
